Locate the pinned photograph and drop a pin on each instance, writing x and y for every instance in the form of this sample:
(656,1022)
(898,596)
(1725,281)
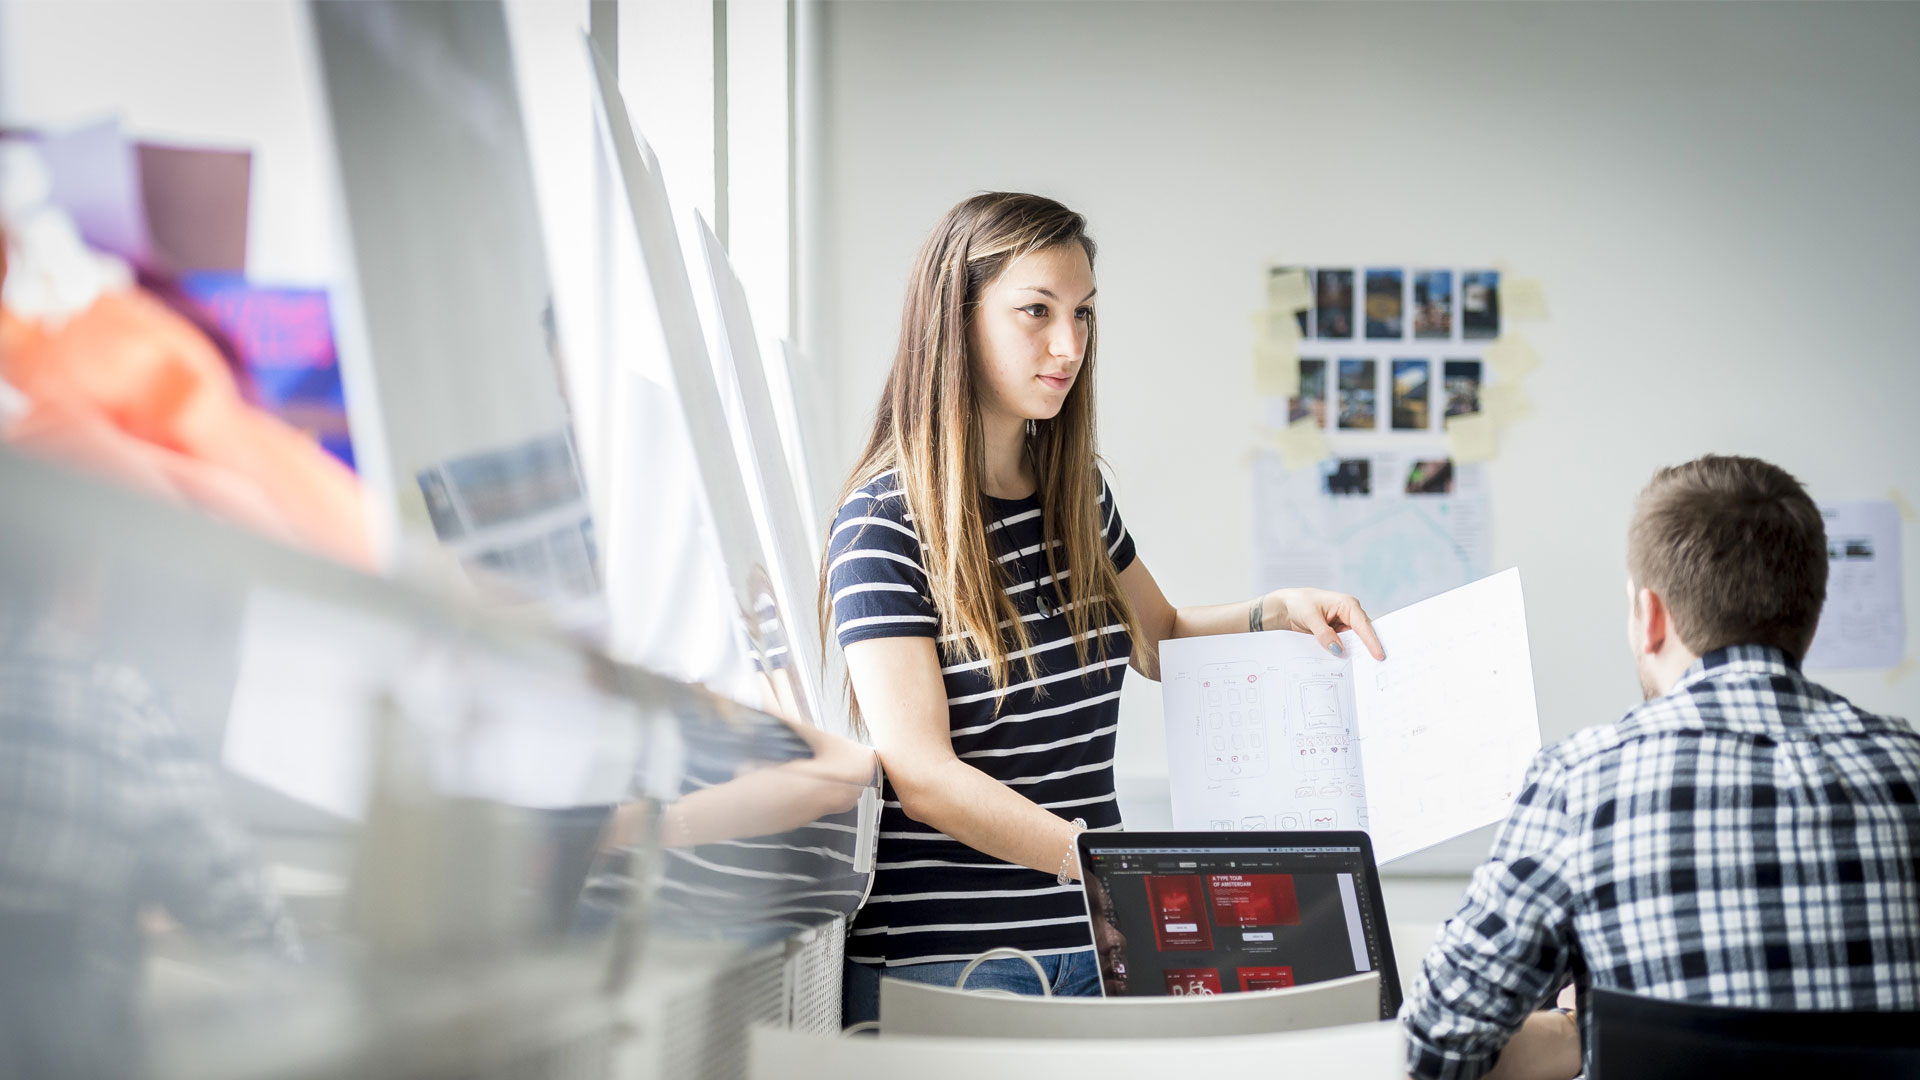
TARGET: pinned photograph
(1412,391)
(1480,305)
(1348,476)
(1359,395)
(1312,399)
(1333,308)
(1281,285)
(1460,381)
(1386,304)
(1433,304)
(1430,478)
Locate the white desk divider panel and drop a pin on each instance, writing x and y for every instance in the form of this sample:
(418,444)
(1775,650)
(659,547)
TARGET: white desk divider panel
(912,1008)
(721,471)
(1372,1051)
(786,530)
(784,376)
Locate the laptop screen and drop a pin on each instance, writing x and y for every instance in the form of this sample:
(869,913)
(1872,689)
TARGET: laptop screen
(1186,913)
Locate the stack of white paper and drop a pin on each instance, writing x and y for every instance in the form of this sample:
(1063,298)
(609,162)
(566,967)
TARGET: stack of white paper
(1270,731)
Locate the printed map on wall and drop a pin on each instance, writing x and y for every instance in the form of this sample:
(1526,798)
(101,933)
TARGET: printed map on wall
(1390,528)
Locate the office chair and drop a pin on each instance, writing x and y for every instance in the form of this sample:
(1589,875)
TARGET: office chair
(1372,1051)
(1630,1037)
(911,1008)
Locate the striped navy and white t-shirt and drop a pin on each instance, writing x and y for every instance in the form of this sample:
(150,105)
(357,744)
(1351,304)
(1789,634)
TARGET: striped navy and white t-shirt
(1052,739)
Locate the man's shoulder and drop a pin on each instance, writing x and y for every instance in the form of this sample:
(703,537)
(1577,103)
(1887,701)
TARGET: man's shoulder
(1789,705)
(1596,752)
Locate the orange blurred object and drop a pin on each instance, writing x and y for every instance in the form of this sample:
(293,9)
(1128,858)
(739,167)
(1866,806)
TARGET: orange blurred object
(129,389)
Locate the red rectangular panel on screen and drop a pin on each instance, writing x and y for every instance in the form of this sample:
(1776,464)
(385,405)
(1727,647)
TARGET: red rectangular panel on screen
(1254,899)
(1179,912)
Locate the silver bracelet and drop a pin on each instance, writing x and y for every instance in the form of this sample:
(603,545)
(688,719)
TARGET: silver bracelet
(1072,857)
(1257,615)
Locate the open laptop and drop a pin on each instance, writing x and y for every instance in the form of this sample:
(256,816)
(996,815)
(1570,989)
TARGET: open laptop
(1219,913)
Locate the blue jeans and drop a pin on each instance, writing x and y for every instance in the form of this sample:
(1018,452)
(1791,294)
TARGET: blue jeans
(1074,974)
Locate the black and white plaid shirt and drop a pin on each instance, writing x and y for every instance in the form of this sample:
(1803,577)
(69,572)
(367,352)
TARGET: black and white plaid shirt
(105,808)
(1749,839)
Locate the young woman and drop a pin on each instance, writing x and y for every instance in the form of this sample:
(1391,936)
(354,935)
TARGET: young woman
(988,600)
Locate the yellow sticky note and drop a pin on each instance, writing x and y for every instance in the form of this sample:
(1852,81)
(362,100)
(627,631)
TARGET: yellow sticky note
(1899,674)
(1899,500)
(1522,298)
(1506,401)
(1273,326)
(1276,370)
(1301,444)
(1512,356)
(1289,290)
(1471,438)
(1276,353)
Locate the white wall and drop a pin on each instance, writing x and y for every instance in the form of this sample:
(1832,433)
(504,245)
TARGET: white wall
(1718,197)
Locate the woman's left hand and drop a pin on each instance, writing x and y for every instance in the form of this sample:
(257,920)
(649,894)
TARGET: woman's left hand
(1325,614)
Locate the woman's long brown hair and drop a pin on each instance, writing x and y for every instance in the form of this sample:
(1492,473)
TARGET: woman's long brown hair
(927,426)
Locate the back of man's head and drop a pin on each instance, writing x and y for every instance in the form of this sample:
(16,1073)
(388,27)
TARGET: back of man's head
(1735,549)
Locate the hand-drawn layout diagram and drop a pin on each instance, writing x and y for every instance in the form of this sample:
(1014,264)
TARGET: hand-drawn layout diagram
(1270,731)
(1260,734)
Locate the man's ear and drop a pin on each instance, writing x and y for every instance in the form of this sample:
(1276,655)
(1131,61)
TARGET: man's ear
(1654,624)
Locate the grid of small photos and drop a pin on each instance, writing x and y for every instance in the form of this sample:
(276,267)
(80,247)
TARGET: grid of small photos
(1444,317)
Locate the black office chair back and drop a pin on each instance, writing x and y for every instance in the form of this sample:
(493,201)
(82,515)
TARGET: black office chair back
(1640,1038)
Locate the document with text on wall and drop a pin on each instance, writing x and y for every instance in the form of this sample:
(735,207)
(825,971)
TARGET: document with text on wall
(1271,731)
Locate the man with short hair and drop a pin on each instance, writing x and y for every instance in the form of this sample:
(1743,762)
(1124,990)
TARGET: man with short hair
(1745,837)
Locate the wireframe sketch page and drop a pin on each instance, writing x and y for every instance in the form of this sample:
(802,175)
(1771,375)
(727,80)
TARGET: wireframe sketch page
(1270,731)
(1260,734)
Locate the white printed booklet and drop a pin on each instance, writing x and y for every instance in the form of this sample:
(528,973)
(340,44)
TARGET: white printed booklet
(1271,731)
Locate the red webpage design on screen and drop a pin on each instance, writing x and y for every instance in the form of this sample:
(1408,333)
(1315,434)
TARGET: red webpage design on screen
(1265,978)
(1253,899)
(1187,982)
(1179,916)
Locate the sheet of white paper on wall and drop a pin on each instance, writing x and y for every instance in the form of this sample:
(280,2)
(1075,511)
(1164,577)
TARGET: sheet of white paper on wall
(1390,528)
(1427,745)
(1863,623)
